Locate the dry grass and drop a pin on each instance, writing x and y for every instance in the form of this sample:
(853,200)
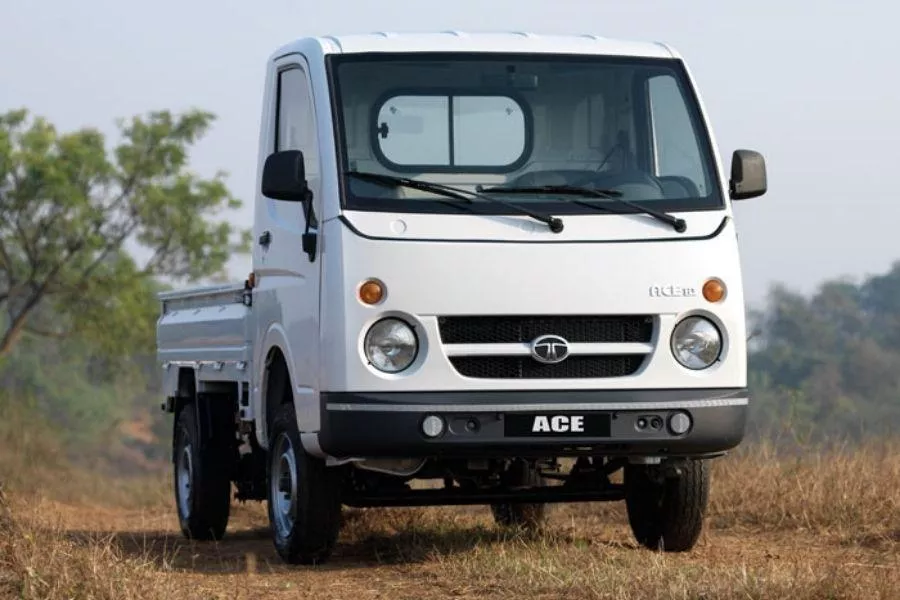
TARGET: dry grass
(843,491)
(42,560)
(819,524)
(553,570)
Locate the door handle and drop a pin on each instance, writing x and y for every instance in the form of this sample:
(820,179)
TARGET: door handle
(265,238)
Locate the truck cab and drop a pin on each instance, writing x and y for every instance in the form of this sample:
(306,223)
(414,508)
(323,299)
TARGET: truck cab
(504,262)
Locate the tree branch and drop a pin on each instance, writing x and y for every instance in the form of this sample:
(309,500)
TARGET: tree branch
(30,252)
(50,220)
(78,245)
(124,193)
(6,260)
(161,250)
(26,243)
(26,246)
(58,335)
(109,248)
(132,180)
(15,329)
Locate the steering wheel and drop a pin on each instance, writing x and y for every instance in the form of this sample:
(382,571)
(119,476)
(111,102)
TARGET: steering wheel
(631,182)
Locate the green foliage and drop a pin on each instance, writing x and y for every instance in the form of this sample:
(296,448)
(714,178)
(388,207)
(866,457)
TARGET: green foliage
(82,384)
(830,364)
(88,231)
(69,207)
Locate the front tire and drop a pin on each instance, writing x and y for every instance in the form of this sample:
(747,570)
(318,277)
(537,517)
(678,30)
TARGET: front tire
(666,512)
(202,483)
(304,503)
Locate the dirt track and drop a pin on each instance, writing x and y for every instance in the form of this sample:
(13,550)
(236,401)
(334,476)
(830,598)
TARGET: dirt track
(457,552)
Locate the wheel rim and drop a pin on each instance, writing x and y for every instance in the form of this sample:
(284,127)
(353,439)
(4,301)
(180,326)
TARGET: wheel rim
(185,476)
(283,484)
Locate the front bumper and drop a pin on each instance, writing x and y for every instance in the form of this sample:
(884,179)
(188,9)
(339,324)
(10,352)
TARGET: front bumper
(520,424)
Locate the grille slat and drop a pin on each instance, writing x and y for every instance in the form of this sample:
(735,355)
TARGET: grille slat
(525,367)
(575,328)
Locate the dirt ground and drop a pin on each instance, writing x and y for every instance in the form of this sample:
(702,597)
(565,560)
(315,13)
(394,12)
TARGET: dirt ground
(802,525)
(586,552)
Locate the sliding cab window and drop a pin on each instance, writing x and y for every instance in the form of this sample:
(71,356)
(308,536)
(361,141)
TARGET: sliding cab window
(451,133)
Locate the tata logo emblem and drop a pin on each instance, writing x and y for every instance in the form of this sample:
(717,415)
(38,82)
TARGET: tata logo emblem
(672,291)
(549,349)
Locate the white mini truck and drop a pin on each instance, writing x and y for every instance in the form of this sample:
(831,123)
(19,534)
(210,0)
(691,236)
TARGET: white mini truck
(506,263)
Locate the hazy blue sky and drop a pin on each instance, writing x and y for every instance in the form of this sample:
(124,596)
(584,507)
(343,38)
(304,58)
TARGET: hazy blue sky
(814,88)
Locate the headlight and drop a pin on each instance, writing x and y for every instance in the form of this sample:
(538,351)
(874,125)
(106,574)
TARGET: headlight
(696,343)
(391,345)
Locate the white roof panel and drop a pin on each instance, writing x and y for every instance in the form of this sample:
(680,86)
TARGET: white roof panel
(457,41)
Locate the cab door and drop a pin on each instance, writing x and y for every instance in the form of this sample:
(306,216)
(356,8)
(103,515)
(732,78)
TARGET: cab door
(286,299)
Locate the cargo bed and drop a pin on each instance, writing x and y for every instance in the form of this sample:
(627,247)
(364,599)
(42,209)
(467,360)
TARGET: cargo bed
(207,329)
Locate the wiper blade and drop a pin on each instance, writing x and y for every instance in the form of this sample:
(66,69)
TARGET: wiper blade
(554,223)
(677,224)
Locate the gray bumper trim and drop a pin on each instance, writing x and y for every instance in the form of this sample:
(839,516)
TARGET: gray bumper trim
(468,408)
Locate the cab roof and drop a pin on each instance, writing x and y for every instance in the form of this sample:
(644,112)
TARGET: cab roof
(460,41)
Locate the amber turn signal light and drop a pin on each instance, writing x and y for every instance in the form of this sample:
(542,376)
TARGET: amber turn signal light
(371,292)
(714,290)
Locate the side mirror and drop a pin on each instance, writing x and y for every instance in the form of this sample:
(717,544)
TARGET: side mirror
(284,176)
(748,175)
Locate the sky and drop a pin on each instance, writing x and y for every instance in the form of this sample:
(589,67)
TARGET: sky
(812,85)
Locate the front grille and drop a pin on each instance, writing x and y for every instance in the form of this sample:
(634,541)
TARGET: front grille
(525,367)
(513,329)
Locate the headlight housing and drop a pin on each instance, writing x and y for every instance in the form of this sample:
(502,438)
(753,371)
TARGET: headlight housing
(696,343)
(391,345)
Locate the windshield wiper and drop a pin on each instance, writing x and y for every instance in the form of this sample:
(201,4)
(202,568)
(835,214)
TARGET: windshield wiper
(677,224)
(554,223)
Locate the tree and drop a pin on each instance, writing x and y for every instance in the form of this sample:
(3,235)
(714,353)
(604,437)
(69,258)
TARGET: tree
(881,299)
(829,363)
(70,208)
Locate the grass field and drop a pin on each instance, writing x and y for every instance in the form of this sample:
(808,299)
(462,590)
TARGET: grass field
(820,524)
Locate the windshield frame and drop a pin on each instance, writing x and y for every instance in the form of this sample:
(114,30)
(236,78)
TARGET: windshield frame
(714,201)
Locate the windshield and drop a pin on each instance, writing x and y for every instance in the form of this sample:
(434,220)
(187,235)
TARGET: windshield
(627,125)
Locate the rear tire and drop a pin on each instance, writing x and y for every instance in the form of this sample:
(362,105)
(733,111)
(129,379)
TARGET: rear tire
(518,514)
(667,513)
(202,483)
(303,496)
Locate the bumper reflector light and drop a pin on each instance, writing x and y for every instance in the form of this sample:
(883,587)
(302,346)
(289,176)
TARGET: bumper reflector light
(679,423)
(432,426)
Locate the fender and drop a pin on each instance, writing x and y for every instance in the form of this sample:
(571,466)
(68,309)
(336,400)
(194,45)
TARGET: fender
(306,398)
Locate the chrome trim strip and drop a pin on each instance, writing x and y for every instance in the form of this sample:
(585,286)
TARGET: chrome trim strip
(524,349)
(210,290)
(671,405)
